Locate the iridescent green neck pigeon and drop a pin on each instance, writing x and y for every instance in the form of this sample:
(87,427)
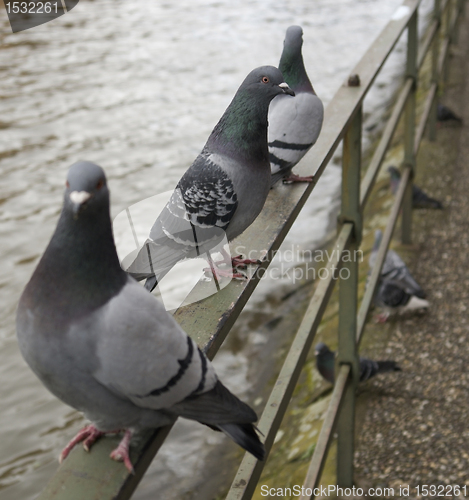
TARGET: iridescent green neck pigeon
(225,188)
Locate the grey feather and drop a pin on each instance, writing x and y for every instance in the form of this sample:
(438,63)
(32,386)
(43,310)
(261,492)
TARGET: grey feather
(394,269)
(325,360)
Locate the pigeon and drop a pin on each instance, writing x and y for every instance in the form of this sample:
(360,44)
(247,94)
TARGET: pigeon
(294,122)
(394,269)
(397,290)
(393,299)
(225,188)
(325,361)
(420,199)
(445,114)
(105,346)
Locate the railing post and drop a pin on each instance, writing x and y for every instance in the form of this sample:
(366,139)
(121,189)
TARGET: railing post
(348,299)
(434,81)
(409,127)
(449,35)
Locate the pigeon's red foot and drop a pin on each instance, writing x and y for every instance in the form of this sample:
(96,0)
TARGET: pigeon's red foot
(121,453)
(381,318)
(238,261)
(224,273)
(297,178)
(89,435)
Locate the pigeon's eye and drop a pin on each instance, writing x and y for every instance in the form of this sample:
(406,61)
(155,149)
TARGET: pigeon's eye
(67,184)
(100,184)
(265,79)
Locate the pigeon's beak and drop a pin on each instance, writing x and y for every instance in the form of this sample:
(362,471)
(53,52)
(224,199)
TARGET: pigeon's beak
(78,198)
(286,89)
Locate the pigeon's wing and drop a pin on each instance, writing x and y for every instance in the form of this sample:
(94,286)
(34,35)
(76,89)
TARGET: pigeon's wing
(194,220)
(392,262)
(144,356)
(368,368)
(294,126)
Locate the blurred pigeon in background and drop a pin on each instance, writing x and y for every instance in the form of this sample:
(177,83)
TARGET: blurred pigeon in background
(397,291)
(225,188)
(445,114)
(103,345)
(419,198)
(294,122)
(393,299)
(325,361)
(394,269)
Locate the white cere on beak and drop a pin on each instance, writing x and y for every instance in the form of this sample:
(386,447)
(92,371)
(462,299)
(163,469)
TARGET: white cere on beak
(79,197)
(283,85)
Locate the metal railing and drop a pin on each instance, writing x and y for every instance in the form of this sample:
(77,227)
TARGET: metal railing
(208,321)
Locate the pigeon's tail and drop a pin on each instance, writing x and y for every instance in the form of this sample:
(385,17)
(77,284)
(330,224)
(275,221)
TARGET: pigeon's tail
(153,262)
(370,368)
(415,303)
(435,204)
(151,283)
(246,436)
(388,366)
(420,199)
(279,171)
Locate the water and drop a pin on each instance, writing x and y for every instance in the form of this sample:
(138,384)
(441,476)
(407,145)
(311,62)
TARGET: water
(137,87)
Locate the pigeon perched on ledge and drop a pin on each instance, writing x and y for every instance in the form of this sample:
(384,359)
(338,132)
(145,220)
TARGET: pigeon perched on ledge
(393,299)
(294,122)
(445,114)
(105,346)
(325,363)
(397,290)
(394,269)
(419,198)
(225,188)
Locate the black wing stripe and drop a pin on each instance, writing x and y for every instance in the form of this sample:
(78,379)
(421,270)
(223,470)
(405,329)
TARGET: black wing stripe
(183,365)
(201,385)
(290,145)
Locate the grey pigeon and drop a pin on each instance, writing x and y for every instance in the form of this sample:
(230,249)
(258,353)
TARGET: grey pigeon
(397,290)
(445,114)
(294,122)
(103,345)
(394,269)
(368,367)
(420,199)
(393,299)
(225,188)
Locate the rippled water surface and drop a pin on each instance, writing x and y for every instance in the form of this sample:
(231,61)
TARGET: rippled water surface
(137,87)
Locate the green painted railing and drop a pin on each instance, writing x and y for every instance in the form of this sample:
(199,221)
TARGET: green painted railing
(95,477)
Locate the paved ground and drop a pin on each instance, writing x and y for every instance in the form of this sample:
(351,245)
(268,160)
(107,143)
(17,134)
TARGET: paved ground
(416,426)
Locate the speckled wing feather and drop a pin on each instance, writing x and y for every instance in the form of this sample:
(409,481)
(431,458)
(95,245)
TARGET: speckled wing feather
(193,221)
